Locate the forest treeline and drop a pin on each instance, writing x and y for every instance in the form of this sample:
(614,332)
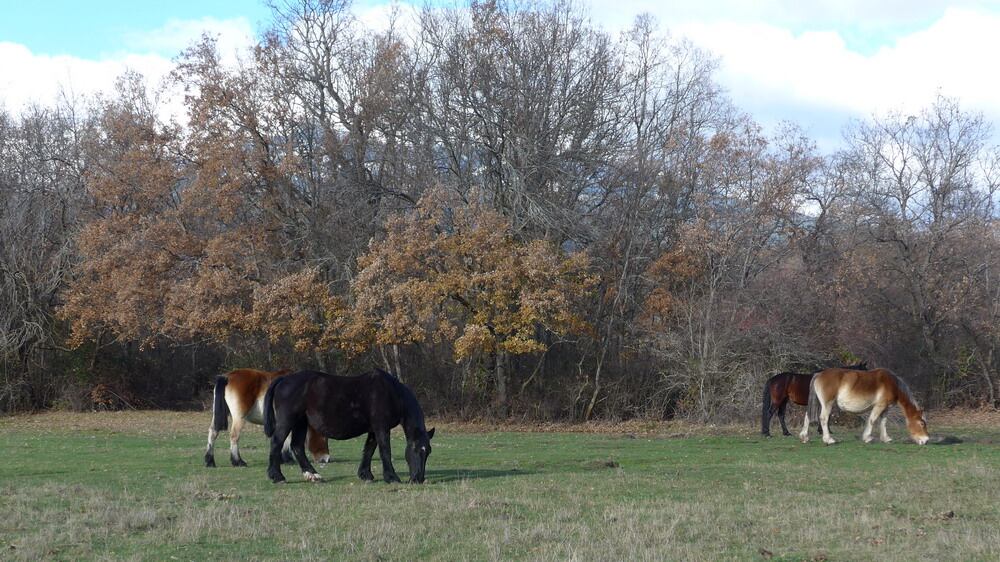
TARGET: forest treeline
(514,209)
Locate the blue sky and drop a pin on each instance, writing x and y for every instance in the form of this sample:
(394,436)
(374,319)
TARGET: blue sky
(99,28)
(819,63)
(94,29)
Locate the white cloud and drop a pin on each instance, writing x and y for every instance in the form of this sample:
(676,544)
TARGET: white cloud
(233,36)
(812,77)
(809,76)
(817,67)
(28,78)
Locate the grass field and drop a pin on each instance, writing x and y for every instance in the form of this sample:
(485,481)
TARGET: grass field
(131,486)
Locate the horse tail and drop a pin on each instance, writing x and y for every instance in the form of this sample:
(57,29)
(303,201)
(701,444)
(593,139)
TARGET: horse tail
(766,408)
(220,410)
(813,407)
(269,407)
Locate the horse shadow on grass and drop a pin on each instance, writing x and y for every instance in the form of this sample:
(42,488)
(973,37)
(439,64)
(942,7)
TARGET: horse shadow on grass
(441,476)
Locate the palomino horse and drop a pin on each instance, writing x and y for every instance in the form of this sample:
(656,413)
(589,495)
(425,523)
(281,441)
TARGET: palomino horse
(860,391)
(345,408)
(781,388)
(241,393)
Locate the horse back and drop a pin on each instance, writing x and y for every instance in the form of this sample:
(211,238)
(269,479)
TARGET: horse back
(346,407)
(879,383)
(246,387)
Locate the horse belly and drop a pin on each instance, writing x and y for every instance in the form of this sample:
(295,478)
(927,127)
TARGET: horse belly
(256,413)
(852,403)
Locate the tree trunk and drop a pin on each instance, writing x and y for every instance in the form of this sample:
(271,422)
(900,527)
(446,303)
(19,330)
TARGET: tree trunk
(399,367)
(597,385)
(501,376)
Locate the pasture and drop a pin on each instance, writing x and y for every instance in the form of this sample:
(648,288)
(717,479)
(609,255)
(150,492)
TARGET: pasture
(132,486)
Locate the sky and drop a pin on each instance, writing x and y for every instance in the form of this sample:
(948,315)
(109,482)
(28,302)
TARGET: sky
(818,63)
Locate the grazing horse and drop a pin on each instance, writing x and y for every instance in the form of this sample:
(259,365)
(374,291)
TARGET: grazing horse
(241,393)
(860,391)
(781,388)
(344,408)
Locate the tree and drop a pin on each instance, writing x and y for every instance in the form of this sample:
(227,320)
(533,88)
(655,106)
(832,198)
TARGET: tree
(453,271)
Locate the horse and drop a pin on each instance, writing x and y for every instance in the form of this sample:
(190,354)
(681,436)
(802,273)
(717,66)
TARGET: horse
(241,393)
(859,391)
(781,388)
(344,408)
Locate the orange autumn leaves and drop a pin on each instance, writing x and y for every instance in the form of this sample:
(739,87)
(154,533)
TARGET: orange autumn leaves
(453,271)
(447,270)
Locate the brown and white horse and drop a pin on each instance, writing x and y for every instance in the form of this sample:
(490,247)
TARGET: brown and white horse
(241,393)
(857,392)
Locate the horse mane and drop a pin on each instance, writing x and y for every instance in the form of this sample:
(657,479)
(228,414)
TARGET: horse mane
(904,390)
(414,414)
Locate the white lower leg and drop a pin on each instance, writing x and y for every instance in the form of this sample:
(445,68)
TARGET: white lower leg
(804,434)
(824,420)
(866,435)
(212,436)
(884,435)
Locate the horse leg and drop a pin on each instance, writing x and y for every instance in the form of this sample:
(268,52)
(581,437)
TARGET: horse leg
(884,435)
(804,434)
(318,446)
(385,452)
(274,459)
(210,450)
(298,447)
(286,451)
(824,420)
(876,413)
(365,468)
(781,417)
(234,441)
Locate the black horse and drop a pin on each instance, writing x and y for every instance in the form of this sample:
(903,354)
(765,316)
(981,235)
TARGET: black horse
(344,408)
(785,387)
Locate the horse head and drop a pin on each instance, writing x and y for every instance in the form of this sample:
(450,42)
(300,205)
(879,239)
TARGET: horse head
(916,423)
(418,448)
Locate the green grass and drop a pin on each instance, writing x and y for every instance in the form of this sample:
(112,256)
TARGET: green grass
(132,487)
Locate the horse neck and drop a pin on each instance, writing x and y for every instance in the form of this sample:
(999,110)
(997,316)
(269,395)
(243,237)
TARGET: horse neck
(412,425)
(413,417)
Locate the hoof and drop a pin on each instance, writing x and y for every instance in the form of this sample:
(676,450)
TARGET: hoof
(830,441)
(323,459)
(785,433)
(209,461)
(279,479)
(392,479)
(366,476)
(887,440)
(239,463)
(312,476)
(867,439)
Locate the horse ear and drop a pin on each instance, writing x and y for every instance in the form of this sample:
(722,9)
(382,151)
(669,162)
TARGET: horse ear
(430,434)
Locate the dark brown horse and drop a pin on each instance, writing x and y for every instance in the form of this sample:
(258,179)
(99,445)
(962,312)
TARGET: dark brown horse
(781,388)
(344,408)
